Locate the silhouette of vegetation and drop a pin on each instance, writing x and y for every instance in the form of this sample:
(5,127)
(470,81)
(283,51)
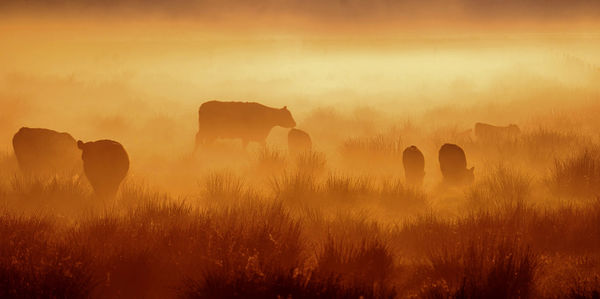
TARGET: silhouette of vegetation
(340,220)
(578,175)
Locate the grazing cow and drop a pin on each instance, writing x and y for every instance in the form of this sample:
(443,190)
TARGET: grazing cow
(486,132)
(453,164)
(414,166)
(238,120)
(45,152)
(298,142)
(105,163)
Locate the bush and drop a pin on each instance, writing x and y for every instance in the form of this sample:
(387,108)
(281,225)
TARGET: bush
(378,153)
(33,265)
(578,175)
(223,186)
(311,162)
(484,268)
(295,187)
(501,189)
(394,193)
(270,161)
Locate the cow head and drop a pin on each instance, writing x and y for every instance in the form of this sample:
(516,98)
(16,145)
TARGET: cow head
(285,118)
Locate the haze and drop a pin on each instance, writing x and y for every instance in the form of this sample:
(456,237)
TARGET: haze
(365,80)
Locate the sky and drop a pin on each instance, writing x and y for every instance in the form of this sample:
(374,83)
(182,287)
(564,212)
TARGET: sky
(332,14)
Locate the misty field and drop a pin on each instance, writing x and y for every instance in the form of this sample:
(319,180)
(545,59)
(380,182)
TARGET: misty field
(338,221)
(334,224)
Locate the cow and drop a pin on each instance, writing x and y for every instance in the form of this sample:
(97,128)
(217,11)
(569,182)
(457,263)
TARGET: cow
(44,152)
(453,164)
(105,164)
(298,142)
(247,121)
(414,166)
(487,132)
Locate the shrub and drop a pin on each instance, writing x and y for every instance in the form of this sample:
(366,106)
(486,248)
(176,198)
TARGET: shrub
(223,186)
(33,265)
(348,188)
(484,268)
(578,175)
(376,153)
(394,193)
(295,186)
(311,162)
(270,160)
(501,189)
(369,263)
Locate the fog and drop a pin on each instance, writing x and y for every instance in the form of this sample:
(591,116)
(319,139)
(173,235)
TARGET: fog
(365,80)
(142,82)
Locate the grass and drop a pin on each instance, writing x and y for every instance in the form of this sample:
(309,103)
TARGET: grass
(222,186)
(308,228)
(33,264)
(536,148)
(311,162)
(578,175)
(500,189)
(373,153)
(484,268)
(270,160)
(265,248)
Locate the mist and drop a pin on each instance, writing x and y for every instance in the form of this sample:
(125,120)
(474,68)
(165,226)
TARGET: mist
(364,80)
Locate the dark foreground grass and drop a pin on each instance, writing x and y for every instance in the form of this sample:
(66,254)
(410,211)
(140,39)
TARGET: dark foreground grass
(578,175)
(150,245)
(259,250)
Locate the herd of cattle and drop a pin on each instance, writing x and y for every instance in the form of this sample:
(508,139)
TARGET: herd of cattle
(106,163)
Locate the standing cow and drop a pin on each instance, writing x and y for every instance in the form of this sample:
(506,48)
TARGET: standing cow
(487,132)
(453,164)
(239,120)
(298,142)
(45,152)
(414,166)
(105,163)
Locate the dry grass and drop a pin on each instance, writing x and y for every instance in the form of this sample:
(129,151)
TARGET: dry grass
(270,160)
(218,186)
(258,248)
(378,153)
(36,263)
(500,189)
(484,268)
(306,228)
(578,176)
(311,162)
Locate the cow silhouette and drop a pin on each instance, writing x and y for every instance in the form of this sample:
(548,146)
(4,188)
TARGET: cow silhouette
(487,132)
(453,164)
(248,121)
(45,152)
(105,164)
(298,142)
(414,166)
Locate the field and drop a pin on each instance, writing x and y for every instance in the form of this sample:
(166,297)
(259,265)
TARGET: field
(335,222)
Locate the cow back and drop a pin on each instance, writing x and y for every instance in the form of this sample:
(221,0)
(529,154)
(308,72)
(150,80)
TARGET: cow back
(45,152)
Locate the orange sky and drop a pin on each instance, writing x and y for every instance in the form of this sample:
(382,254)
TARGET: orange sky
(334,15)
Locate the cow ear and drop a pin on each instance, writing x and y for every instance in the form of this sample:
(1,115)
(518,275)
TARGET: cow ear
(284,108)
(471,169)
(80,144)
